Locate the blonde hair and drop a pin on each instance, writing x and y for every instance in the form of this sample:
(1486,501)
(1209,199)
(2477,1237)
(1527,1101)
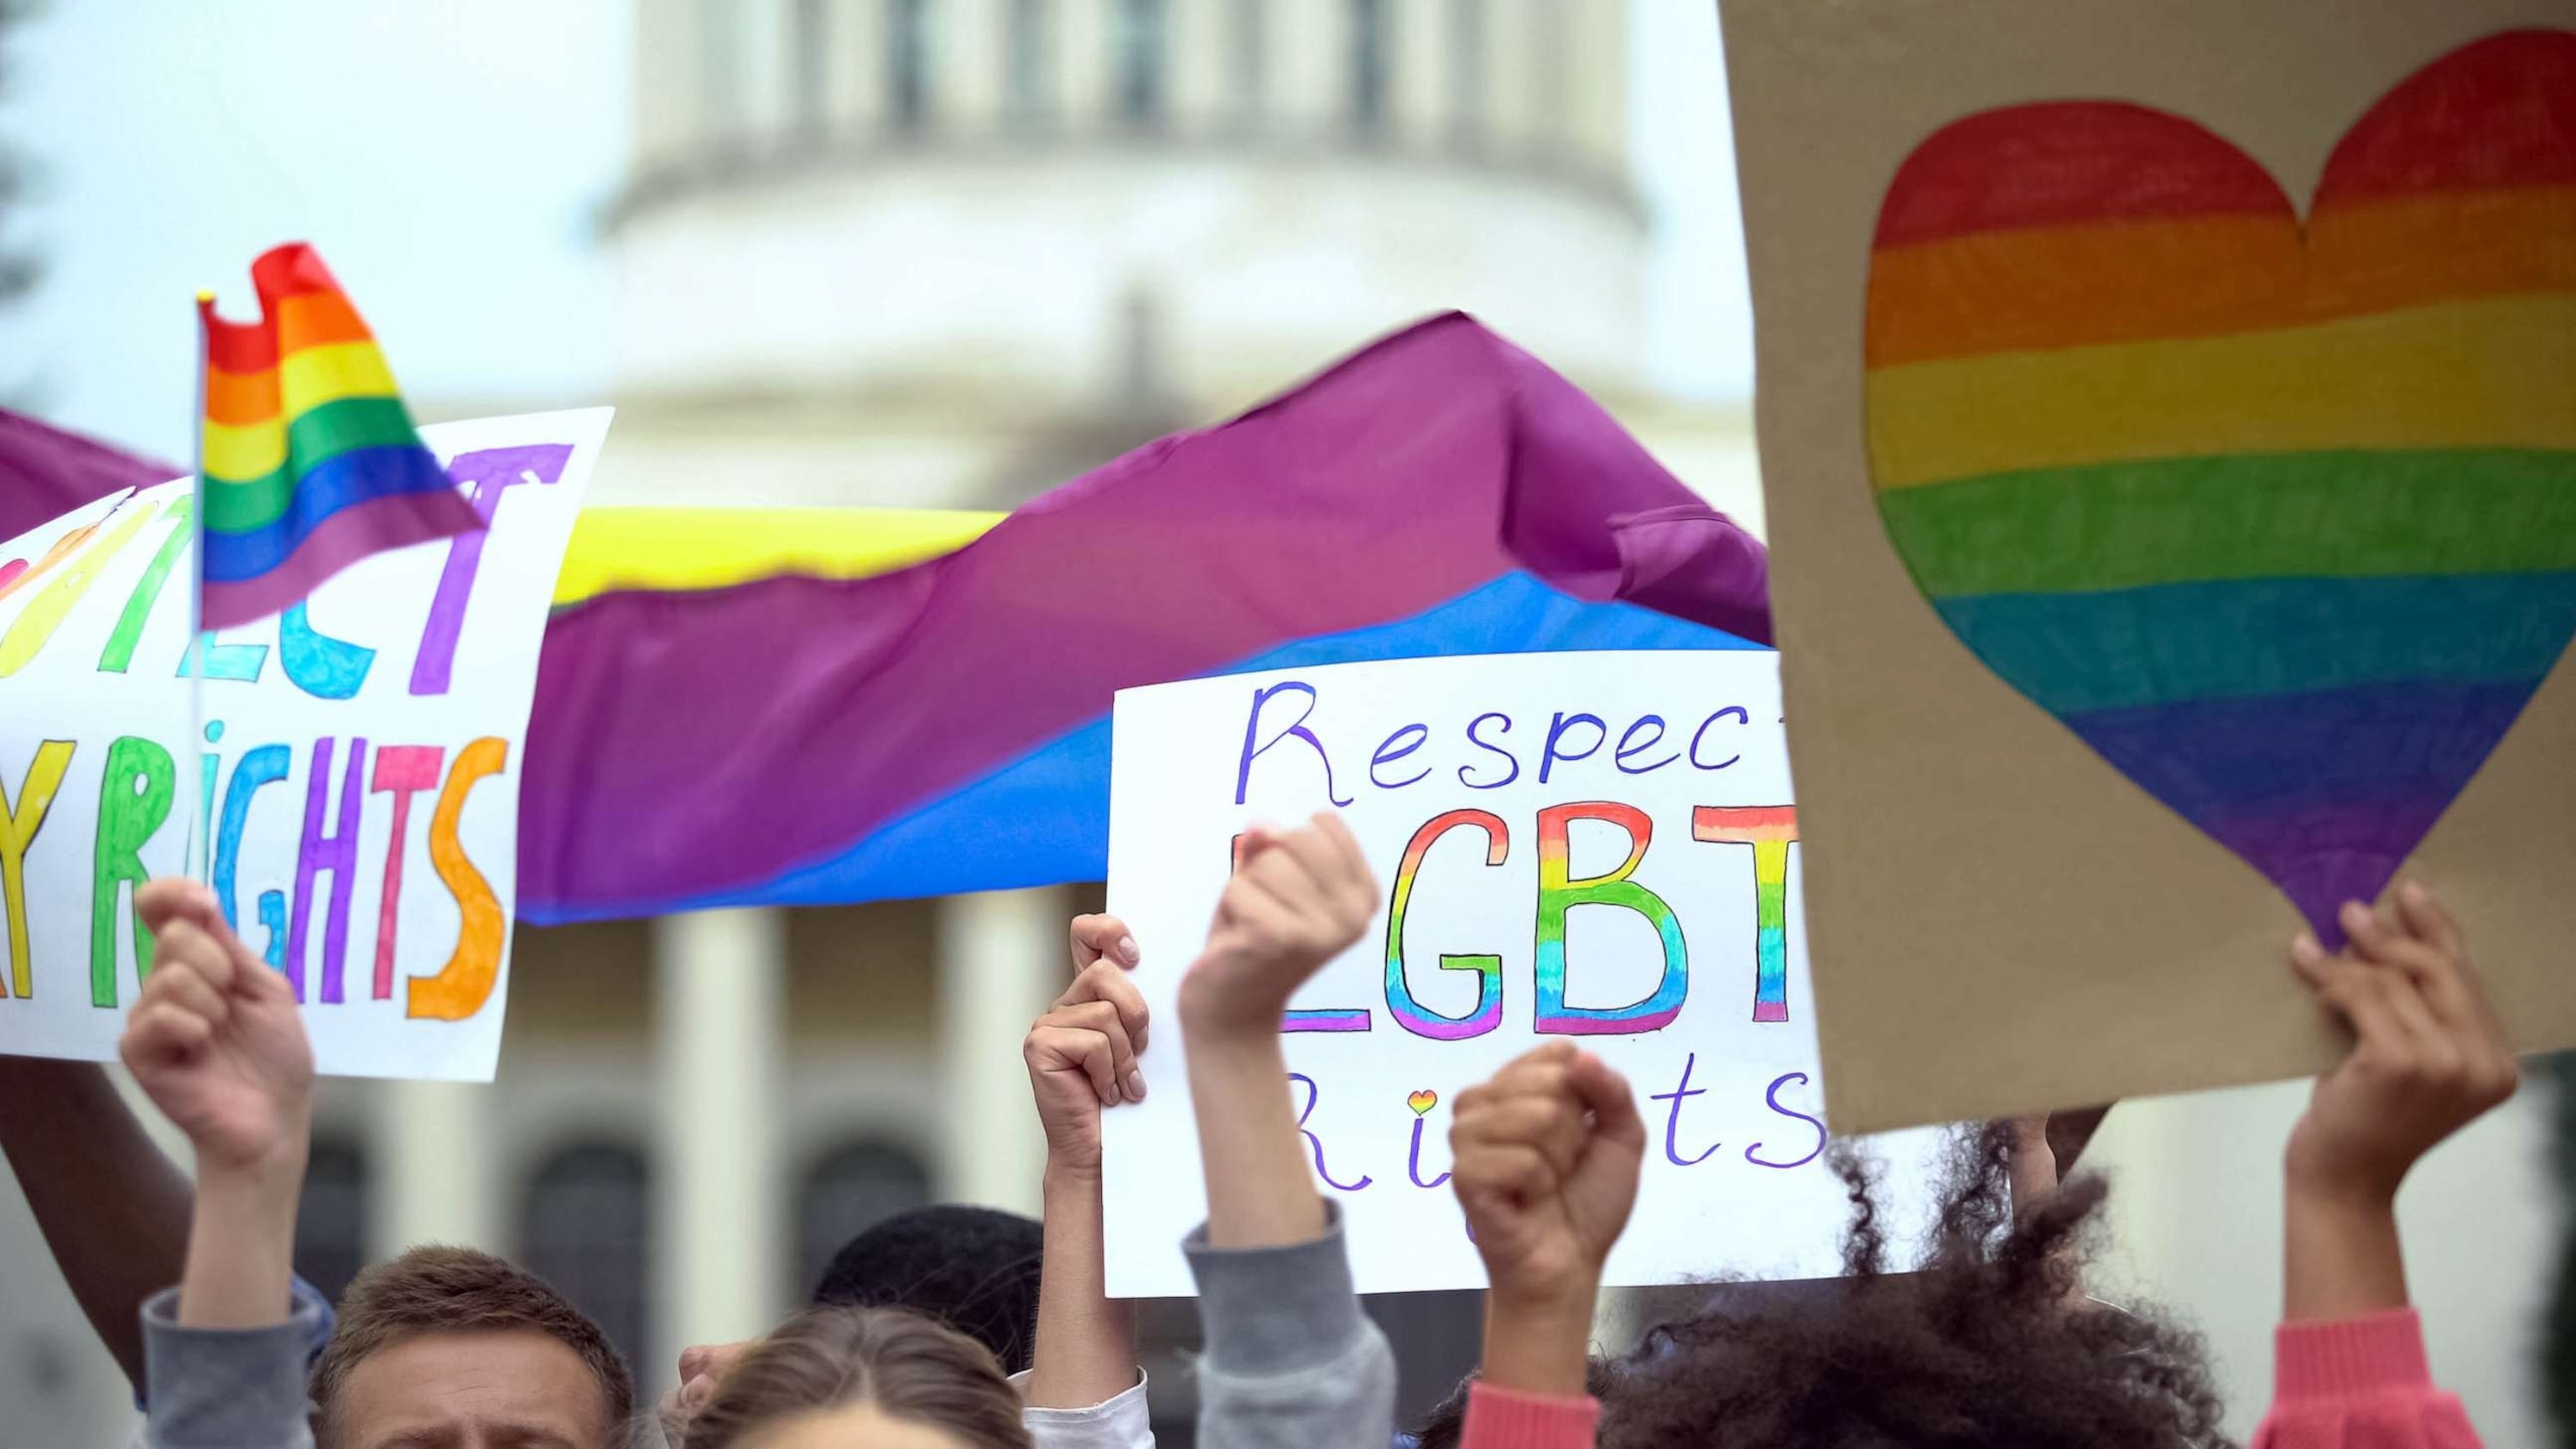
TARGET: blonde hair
(902,1363)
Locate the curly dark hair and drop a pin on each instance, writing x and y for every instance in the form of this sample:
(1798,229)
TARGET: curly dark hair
(1987,1343)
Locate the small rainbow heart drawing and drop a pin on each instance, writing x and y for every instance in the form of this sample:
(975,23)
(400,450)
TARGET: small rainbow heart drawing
(1422,1101)
(2279,519)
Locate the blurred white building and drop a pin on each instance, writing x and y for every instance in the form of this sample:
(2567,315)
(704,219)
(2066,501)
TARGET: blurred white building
(945,253)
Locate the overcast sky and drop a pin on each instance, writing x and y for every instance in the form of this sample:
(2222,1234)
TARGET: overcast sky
(475,226)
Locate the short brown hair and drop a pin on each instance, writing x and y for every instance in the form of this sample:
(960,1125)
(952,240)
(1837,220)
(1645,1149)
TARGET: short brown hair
(434,1289)
(905,1365)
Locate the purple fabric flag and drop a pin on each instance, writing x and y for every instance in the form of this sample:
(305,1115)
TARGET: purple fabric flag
(944,727)
(46,472)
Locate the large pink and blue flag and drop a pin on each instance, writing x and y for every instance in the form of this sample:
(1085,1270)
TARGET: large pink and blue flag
(945,727)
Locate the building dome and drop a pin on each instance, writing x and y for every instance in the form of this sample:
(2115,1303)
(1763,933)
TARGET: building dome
(1028,216)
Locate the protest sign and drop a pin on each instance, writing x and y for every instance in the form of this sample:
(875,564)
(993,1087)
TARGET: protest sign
(2168,426)
(353,795)
(1584,846)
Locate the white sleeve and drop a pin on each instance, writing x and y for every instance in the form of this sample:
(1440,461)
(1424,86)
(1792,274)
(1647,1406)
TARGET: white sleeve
(1119,1423)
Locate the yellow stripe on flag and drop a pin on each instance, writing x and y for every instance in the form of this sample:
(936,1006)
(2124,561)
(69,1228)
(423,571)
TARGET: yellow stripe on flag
(309,378)
(673,550)
(245,453)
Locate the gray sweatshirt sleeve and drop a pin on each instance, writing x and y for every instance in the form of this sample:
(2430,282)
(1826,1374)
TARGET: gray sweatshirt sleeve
(1291,1362)
(226,1388)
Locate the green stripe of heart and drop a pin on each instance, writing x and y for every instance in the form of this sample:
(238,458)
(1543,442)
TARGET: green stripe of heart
(2284,515)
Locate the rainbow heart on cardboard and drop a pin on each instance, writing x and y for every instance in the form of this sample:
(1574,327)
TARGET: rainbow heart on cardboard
(2279,519)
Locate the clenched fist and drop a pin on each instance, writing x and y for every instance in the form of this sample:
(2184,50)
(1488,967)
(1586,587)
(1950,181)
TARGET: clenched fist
(216,1040)
(1298,899)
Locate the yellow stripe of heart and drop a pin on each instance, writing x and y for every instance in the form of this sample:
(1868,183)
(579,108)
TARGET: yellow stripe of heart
(2492,373)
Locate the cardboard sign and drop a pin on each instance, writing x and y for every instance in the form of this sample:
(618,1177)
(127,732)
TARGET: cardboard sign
(2167,428)
(353,796)
(1593,846)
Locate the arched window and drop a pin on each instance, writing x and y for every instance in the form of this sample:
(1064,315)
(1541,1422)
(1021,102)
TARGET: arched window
(331,1219)
(849,1190)
(1138,47)
(909,58)
(584,1229)
(1370,47)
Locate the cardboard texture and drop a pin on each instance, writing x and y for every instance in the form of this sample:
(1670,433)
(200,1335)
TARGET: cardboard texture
(2001,918)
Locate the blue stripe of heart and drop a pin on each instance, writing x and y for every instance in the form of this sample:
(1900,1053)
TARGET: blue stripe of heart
(2080,653)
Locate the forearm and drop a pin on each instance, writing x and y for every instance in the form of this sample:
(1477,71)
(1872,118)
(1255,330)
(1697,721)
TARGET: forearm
(241,1248)
(114,1211)
(1259,1190)
(2340,1255)
(1539,1345)
(1086,1341)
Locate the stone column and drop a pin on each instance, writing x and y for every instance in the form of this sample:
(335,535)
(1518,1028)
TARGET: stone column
(1002,958)
(971,65)
(1203,81)
(719,1216)
(435,1185)
(857,66)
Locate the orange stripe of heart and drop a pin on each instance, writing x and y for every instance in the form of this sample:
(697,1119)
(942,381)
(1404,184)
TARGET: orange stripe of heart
(2073,286)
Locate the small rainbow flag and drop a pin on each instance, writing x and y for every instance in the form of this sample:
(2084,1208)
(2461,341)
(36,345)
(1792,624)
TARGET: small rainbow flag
(309,461)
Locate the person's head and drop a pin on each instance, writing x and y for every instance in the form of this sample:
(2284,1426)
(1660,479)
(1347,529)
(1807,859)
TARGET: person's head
(882,1377)
(973,1269)
(458,1348)
(1987,1342)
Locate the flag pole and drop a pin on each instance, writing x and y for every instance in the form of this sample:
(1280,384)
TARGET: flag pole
(201,839)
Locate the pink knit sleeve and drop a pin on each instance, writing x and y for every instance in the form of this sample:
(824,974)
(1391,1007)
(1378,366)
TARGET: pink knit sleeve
(2359,1383)
(1503,1419)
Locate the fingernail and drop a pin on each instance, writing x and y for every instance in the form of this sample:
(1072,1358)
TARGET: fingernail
(2305,950)
(2356,916)
(1135,1086)
(2413,894)
(1127,951)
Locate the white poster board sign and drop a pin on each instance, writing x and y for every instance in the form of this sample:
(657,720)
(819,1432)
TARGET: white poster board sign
(354,792)
(1598,846)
